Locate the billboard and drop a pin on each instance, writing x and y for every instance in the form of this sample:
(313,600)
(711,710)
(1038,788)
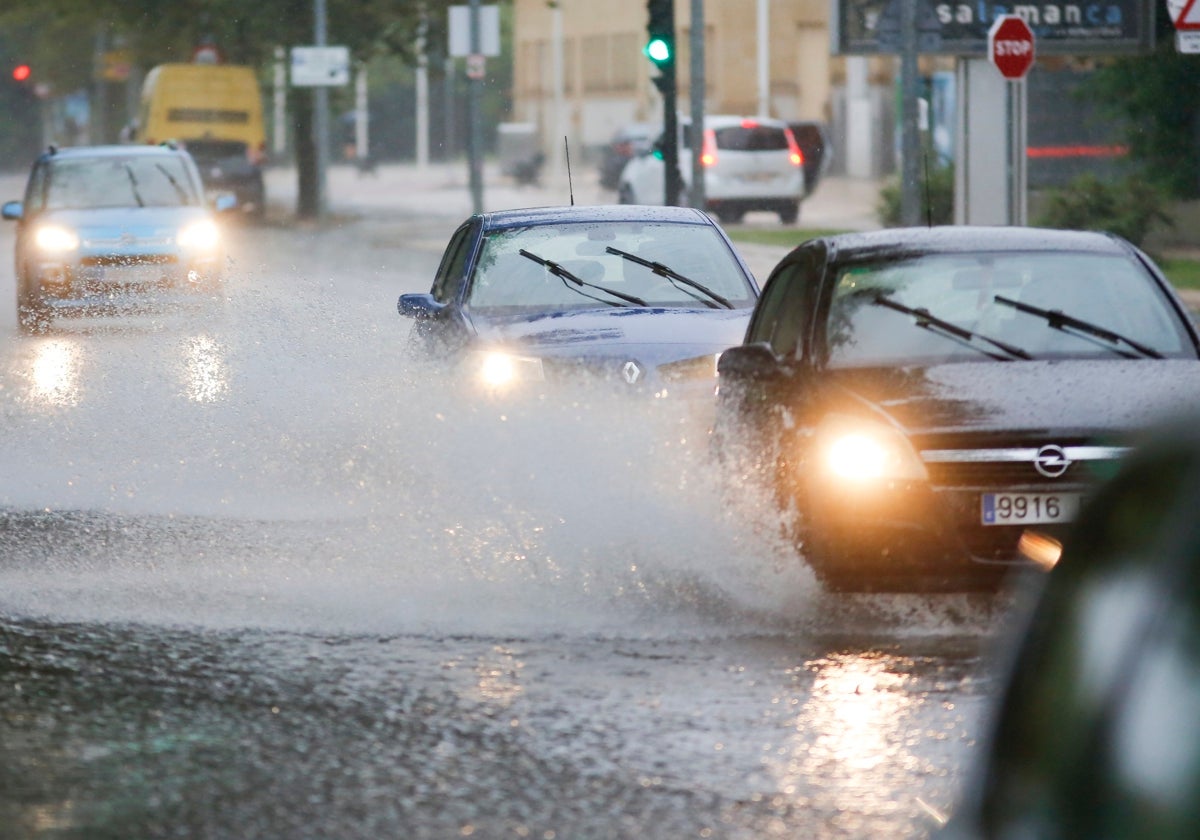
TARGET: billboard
(960,27)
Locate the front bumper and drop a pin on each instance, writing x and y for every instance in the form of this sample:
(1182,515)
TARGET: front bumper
(102,274)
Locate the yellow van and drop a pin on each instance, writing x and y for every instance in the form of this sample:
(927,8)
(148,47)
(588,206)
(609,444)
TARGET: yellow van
(215,112)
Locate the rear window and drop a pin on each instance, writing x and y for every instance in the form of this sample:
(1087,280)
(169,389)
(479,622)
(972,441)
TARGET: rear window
(759,138)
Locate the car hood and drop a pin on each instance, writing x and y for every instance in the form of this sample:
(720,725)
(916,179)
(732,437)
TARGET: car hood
(656,335)
(114,221)
(1102,397)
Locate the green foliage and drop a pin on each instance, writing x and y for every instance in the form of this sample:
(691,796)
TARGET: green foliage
(1157,96)
(1128,208)
(937,199)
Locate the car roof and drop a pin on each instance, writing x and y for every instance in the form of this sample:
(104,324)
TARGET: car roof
(964,239)
(530,216)
(125,150)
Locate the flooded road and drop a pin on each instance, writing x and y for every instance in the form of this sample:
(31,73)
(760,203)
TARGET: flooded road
(262,575)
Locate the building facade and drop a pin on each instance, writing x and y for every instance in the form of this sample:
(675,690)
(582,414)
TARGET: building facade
(579,70)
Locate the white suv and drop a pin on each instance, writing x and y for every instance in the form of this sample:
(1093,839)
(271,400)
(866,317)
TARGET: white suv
(750,163)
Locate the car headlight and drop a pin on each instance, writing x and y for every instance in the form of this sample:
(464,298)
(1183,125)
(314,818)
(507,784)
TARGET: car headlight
(856,450)
(498,369)
(55,239)
(199,236)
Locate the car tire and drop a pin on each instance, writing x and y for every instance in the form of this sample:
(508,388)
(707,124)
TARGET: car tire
(730,216)
(790,214)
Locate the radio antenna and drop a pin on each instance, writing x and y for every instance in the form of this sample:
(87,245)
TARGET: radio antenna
(570,183)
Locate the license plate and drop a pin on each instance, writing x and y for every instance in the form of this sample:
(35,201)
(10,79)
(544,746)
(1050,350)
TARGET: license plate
(1028,508)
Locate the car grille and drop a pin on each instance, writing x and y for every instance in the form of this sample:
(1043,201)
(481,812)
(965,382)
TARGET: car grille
(1016,466)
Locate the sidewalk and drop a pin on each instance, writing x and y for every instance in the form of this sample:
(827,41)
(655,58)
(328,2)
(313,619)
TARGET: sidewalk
(442,189)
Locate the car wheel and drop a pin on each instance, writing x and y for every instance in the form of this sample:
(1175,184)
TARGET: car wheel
(625,195)
(790,214)
(730,216)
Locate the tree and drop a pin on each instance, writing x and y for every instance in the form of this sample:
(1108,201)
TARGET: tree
(61,36)
(1157,95)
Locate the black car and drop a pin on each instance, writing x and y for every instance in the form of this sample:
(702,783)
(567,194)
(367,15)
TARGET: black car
(812,136)
(934,405)
(628,141)
(643,297)
(1095,731)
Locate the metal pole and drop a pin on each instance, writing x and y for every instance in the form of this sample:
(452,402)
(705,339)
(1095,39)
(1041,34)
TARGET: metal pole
(697,196)
(764,58)
(362,116)
(910,146)
(1018,205)
(422,93)
(279,132)
(321,103)
(474,151)
(557,147)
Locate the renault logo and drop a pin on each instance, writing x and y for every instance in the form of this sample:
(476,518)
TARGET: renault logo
(631,372)
(1051,461)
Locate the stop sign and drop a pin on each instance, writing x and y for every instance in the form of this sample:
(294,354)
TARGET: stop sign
(1010,46)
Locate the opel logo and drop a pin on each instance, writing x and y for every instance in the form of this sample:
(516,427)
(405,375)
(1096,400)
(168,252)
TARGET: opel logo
(631,372)
(1051,461)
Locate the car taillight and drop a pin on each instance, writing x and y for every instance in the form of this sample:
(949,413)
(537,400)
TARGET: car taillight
(708,152)
(257,156)
(794,153)
(749,124)
(624,149)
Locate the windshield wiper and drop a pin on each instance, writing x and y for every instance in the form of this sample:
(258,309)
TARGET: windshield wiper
(929,321)
(179,190)
(1059,320)
(674,276)
(569,278)
(133,183)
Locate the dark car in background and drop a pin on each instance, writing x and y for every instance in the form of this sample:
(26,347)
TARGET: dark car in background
(812,136)
(643,298)
(628,141)
(934,405)
(99,222)
(1095,733)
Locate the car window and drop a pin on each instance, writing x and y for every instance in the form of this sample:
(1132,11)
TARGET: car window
(35,192)
(751,138)
(503,277)
(159,181)
(780,320)
(981,293)
(454,260)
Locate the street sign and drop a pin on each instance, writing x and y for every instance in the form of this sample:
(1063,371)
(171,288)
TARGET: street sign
(1187,42)
(1010,46)
(1185,14)
(459,40)
(320,66)
(476,66)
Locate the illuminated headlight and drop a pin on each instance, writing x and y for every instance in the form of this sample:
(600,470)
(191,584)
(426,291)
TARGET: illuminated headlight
(199,236)
(862,450)
(54,239)
(497,369)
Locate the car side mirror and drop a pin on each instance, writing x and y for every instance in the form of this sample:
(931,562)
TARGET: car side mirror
(750,362)
(419,306)
(13,210)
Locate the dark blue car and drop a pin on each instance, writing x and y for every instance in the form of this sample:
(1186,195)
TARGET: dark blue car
(641,297)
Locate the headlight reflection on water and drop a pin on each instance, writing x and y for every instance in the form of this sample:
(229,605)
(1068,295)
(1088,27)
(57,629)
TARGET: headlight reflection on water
(54,372)
(206,375)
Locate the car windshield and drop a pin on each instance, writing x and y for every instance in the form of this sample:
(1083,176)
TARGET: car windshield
(939,308)
(158,181)
(505,279)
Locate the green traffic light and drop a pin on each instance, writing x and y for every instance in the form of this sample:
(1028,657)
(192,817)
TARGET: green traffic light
(658,50)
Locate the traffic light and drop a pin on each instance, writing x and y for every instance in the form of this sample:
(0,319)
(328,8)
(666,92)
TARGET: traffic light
(660,48)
